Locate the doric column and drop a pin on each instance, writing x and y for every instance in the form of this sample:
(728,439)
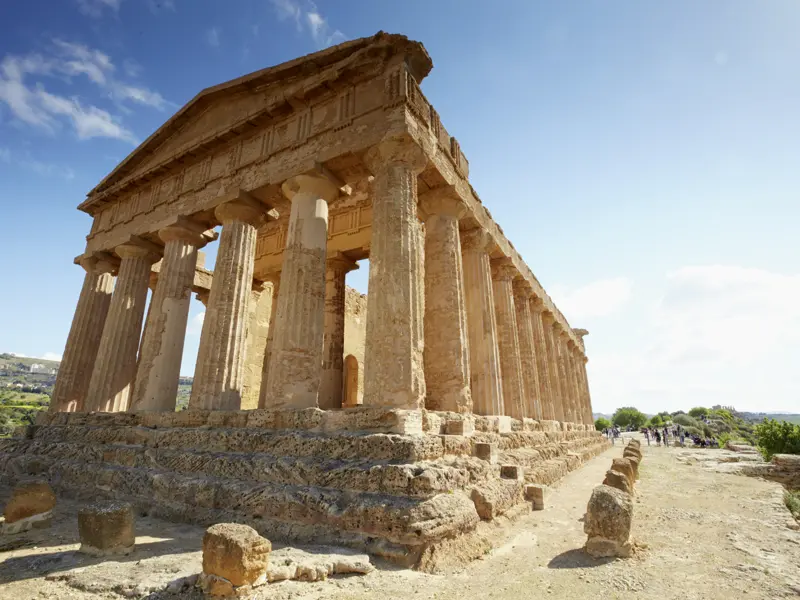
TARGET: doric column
(296,358)
(259,311)
(527,349)
(560,345)
(331,386)
(484,356)
(446,355)
(548,321)
(219,372)
(159,368)
(393,370)
(503,272)
(569,345)
(543,376)
(275,279)
(115,366)
(80,353)
(576,363)
(587,394)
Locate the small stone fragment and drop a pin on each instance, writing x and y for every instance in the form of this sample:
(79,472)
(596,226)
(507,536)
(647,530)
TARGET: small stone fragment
(535,493)
(236,553)
(486,451)
(512,472)
(106,529)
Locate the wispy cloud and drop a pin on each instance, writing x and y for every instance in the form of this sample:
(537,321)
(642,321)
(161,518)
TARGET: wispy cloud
(307,18)
(96,8)
(40,168)
(212,37)
(34,105)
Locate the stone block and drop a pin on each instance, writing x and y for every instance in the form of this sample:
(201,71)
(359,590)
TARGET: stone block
(235,554)
(374,420)
(106,529)
(486,451)
(227,418)
(618,480)
(536,493)
(191,418)
(608,520)
(624,466)
(460,427)
(512,472)
(29,498)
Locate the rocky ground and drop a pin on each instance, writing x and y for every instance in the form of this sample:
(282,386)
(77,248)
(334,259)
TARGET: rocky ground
(702,531)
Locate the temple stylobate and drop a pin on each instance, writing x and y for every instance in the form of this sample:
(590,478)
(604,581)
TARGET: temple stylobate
(298,172)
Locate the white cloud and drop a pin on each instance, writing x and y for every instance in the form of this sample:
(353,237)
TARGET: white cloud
(212,37)
(34,105)
(306,16)
(195,326)
(596,299)
(38,167)
(96,8)
(718,335)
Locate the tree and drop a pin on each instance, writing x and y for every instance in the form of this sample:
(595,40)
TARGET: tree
(656,421)
(602,423)
(778,437)
(698,412)
(627,416)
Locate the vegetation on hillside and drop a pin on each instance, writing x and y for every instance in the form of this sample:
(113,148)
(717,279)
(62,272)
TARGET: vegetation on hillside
(602,424)
(778,437)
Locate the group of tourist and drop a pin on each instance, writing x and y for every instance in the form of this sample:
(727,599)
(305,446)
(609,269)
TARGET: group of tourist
(678,435)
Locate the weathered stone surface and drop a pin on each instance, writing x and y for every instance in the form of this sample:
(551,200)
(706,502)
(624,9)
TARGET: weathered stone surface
(514,472)
(106,529)
(536,493)
(634,460)
(495,497)
(486,451)
(29,498)
(236,553)
(608,520)
(624,466)
(618,480)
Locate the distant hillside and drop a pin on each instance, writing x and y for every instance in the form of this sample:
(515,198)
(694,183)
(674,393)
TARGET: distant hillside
(758,417)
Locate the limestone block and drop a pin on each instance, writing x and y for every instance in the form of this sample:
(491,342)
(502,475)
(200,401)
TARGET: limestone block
(374,419)
(632,451)
(235,553)
(106,529)
(486,451)
(634,460)
(495,497)
(494,424)
(536,493)
(608,520)
(29,498)
(624,466)
(460,427)
(514,472)
(618,480)
(635,443)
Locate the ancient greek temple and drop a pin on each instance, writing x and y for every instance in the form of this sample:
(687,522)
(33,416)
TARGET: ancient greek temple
(298,172)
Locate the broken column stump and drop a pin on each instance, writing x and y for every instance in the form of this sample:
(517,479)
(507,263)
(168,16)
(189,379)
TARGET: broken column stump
(535,493)
(31,505)
(106,529)
(234,557)
(608,520)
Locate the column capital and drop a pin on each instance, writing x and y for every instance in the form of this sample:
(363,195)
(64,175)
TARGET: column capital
(522,289)
(475,239)
(396,149)
(548,318)
(96,264)
(503,269)
(580,333)
(180,232)
(316,184)
(243,209)
(444,201)
(131,250)
(337,261)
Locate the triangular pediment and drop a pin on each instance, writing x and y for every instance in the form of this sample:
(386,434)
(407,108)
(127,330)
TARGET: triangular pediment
(218,111)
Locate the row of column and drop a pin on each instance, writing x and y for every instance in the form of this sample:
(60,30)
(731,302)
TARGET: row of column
(448,327)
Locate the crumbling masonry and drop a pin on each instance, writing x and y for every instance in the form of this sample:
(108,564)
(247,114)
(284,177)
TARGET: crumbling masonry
(466,365)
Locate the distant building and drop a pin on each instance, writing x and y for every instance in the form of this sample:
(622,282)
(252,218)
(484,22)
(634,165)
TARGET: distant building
(42,369)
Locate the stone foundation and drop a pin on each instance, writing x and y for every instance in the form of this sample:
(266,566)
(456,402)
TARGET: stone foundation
(387,482)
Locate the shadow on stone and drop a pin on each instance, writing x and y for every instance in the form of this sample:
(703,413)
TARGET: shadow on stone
(576,559)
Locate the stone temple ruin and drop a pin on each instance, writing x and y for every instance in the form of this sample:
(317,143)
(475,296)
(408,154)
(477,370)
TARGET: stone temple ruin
(468,383)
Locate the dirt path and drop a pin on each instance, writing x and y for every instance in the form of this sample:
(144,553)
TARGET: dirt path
(708,535)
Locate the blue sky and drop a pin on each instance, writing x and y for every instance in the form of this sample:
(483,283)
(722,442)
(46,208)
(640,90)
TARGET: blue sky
(642,156)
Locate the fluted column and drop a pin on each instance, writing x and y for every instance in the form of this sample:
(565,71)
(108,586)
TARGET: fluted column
(446,355)
(503,273)
(331,388)
(569,345)
(587,394)
(527,349)
(219,372)
(259,312)
(275,280)
(75,370)
(484,355)
(575,364)
(559,343)
(543,376)
(393,370)
(159,368)
(296,359)
(115,367)
(548,321)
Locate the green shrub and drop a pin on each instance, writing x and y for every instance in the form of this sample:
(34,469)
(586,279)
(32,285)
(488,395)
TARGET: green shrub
(792,500)
(692,431)
(778,437)
(602,423)
(685,420)
(698,412)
